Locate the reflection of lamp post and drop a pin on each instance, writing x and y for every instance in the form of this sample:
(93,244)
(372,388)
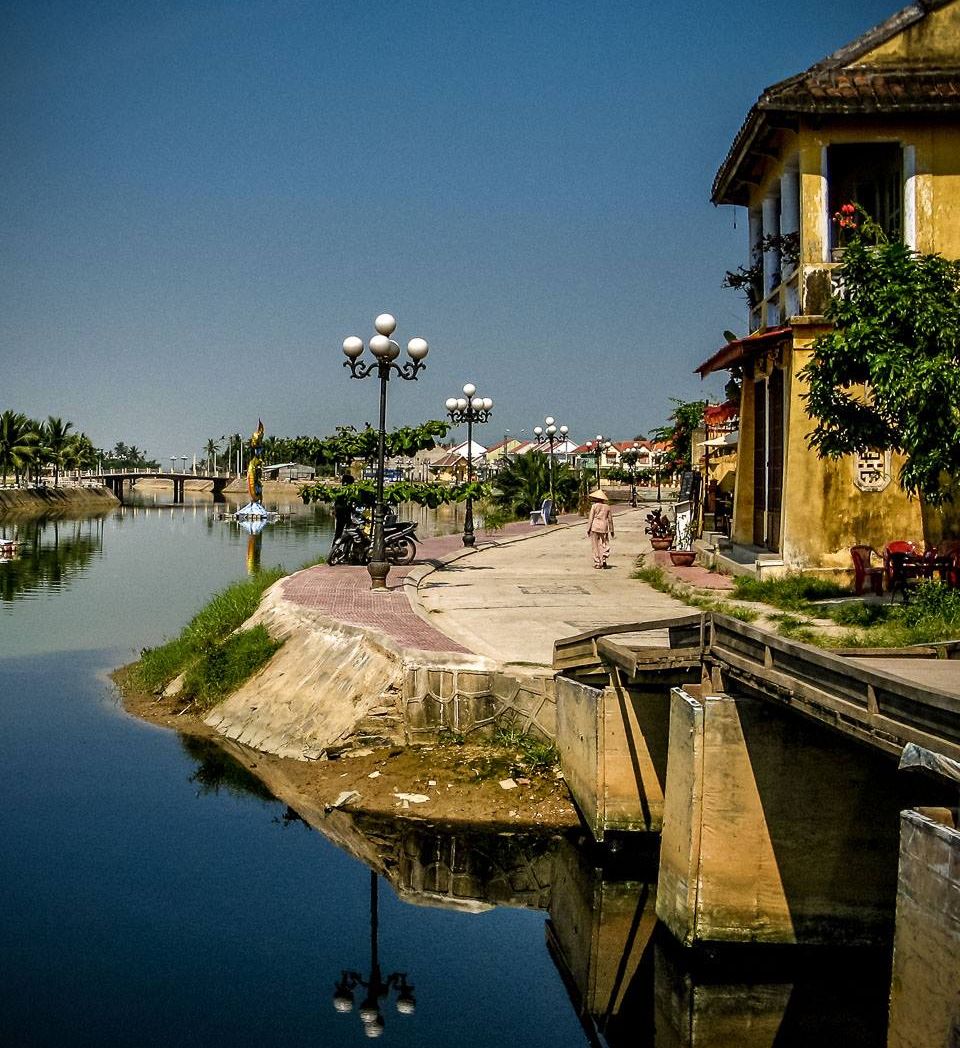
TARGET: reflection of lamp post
(385,351)
(469,409)
(548,436)
(376,986)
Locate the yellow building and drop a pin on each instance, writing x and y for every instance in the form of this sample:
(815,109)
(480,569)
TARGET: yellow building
(874,123)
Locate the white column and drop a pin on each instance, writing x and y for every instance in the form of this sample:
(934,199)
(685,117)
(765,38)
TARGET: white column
(755,226)
(910,197)
(771,224)
(823,207)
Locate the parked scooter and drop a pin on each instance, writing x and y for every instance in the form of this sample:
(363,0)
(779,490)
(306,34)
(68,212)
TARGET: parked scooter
(355,544)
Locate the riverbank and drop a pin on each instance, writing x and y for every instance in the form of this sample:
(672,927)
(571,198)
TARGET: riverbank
(51,501)
(452,783)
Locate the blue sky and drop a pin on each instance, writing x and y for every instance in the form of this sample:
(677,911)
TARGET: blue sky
(200,200)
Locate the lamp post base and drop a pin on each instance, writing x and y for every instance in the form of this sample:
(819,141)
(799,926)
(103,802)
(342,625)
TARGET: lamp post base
(468,535)
(378,569)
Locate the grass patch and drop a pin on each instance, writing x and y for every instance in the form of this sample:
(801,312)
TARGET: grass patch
(206,639)
(932,615)
(657,578)
(792,592)
(533,755)
(226,664)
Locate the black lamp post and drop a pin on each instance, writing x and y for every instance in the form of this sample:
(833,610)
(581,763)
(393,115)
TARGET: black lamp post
(470,409)
(375,985)
(601,445)
(548,436)
(631,459)
(385,352)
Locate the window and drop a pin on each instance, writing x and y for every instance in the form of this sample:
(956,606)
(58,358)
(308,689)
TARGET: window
(871,175)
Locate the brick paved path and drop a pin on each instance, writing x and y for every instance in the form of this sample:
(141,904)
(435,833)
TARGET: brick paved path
(343,592)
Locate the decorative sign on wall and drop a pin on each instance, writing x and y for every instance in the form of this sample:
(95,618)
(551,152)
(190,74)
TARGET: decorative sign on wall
(871,470)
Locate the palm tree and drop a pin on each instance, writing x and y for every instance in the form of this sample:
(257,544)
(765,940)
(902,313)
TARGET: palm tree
(18,443)
(55,438)
(524,482)
(80,452)
(211,449)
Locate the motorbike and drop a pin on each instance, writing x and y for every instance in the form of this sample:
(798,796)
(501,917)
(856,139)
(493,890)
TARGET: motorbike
(355,544)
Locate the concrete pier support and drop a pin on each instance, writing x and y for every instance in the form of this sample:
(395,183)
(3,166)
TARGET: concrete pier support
(613,750)
(774,830)
(925,990)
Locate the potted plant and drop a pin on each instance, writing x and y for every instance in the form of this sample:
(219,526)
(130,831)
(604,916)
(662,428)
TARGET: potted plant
(682,553)
(659,529)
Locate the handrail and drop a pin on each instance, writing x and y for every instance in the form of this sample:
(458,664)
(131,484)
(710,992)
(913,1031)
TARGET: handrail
(631,627)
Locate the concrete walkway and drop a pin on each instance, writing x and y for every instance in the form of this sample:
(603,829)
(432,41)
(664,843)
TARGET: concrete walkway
(519,590)
(508,599)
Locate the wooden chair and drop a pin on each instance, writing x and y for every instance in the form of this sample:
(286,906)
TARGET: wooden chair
(864,569)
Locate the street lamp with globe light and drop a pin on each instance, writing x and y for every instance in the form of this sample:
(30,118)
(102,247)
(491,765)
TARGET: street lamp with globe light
(601,446)
(385,352)
(470,409)
(547,434)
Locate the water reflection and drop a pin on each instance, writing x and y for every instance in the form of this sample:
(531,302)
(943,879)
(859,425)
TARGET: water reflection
(632,983)
(376,987)
(51,552)
(628,981)
(217,771)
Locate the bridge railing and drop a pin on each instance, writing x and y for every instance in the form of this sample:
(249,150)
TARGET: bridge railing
(876,705)
(885,709)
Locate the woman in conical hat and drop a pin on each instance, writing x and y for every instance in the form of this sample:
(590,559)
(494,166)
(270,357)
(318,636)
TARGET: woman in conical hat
(600,527)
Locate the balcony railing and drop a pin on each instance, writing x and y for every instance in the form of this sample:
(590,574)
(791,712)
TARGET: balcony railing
(805,291)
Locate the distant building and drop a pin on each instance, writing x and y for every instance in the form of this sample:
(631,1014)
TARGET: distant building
(291,471)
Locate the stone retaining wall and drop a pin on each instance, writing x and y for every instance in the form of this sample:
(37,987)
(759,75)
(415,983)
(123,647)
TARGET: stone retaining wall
(334,685)
(61,501)
(467,701)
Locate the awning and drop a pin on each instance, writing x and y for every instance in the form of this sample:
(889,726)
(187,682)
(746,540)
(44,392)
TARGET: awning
(739,350)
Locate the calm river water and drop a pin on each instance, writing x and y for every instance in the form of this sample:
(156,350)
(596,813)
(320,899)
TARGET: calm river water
(152,896)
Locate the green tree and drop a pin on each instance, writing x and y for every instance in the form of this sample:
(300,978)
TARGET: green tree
(888,374)
(211,449)
(524,482)
(79,452)
(678,434)
(55,440)
(19,440)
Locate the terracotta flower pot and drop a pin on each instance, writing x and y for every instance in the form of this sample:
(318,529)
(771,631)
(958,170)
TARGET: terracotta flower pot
(683,558)
(661,543)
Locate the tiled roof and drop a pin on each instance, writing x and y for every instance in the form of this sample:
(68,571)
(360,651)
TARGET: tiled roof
(864,89)
(838,85)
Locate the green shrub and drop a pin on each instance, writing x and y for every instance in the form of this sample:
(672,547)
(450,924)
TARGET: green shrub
(224,665)
(494,516)
(534,755)
(932,603)
(226,612)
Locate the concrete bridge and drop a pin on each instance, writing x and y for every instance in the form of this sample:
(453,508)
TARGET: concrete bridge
(116,481)
(801,796)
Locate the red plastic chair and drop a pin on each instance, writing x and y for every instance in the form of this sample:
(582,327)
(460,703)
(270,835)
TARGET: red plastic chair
(864,569)
(898,558)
